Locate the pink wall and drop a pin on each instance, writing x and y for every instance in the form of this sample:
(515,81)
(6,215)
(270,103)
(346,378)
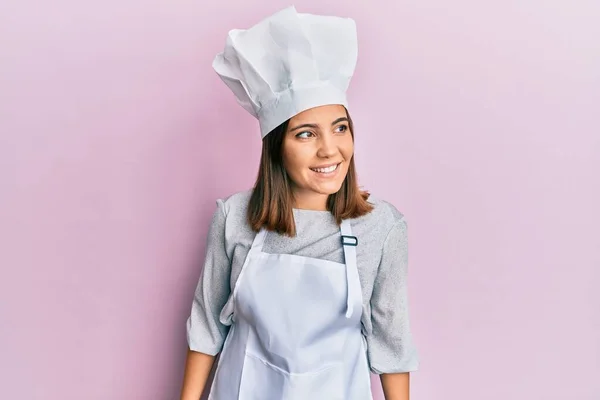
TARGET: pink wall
(479,120)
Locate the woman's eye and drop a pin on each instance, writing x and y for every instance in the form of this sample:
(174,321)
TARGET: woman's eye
(304,135)
(343,128)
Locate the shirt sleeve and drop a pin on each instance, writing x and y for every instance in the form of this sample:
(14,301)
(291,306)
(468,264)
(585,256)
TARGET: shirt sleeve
(205,333)
(390,347)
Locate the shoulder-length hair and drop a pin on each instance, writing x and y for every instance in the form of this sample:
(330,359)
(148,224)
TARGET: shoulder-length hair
(272,201)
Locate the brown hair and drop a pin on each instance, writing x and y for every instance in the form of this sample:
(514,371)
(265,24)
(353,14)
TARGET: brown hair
(271,202)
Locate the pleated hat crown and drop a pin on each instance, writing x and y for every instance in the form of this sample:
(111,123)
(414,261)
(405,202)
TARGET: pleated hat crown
(288,63)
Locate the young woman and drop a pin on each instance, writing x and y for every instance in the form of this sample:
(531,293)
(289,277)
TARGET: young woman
(303,291)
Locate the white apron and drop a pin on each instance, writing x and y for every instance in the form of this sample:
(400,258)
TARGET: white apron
(296,331)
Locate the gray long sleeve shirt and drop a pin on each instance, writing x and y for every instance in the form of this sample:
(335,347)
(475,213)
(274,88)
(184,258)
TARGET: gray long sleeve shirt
(382,256)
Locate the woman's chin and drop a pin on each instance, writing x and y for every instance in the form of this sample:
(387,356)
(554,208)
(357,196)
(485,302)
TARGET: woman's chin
(328,188)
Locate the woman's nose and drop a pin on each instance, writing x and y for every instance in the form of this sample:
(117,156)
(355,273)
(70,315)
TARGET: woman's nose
(327,147)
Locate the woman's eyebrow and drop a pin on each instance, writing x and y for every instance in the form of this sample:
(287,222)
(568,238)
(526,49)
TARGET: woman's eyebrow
(337,121)
(315,126)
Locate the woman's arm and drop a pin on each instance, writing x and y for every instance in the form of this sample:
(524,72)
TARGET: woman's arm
(396,386)
(390,347)
(197,369)
(205,332)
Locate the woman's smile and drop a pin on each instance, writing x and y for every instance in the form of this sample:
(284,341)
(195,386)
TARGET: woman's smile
(328,171)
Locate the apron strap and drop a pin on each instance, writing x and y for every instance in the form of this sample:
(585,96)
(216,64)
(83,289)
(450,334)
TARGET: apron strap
(259,240)
(349,243)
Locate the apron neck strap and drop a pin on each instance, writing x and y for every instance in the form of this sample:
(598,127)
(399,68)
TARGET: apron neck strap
(349,243)
(259,241)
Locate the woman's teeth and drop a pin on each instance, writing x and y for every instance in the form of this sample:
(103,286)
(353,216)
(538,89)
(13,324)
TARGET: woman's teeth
(325,170)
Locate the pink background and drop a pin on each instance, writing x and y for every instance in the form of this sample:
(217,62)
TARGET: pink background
(478,120)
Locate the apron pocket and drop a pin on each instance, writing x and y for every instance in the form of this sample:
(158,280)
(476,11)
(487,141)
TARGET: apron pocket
(262,380)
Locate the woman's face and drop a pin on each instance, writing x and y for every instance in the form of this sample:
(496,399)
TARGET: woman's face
(317,149)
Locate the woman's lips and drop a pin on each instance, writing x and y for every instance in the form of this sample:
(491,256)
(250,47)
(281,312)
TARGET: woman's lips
(327,172)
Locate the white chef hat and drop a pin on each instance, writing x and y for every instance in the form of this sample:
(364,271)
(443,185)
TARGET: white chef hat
(288,63)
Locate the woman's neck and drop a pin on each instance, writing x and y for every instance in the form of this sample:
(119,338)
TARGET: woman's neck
(310,201)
